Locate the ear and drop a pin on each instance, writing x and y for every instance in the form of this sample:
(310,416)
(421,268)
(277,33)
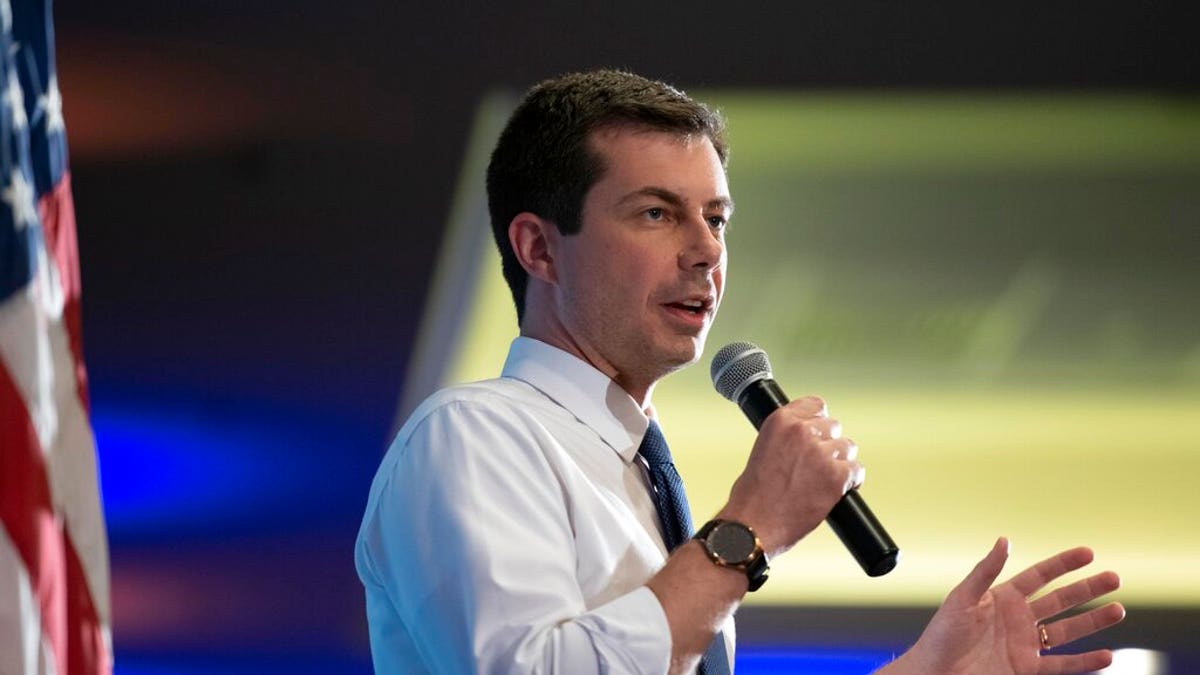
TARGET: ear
(534,241)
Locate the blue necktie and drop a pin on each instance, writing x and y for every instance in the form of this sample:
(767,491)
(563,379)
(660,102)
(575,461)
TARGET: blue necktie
(676,518)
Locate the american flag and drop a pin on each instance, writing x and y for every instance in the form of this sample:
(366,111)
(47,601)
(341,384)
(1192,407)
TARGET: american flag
(54,578)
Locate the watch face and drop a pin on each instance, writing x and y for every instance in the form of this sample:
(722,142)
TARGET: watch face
(733,542)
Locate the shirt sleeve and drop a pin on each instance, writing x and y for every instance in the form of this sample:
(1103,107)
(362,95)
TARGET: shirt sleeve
(470,538)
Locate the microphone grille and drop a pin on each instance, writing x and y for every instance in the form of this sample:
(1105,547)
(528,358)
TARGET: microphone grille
(736,366)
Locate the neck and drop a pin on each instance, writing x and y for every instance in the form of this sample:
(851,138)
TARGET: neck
(639,389)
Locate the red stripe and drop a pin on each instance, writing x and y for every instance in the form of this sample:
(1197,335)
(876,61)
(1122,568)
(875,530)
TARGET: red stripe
(57,211)
(69,618)
(27,514)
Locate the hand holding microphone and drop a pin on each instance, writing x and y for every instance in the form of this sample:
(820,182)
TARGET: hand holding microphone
(799,453)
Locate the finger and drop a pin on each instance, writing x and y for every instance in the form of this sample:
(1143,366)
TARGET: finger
(856,477)
(824,427)
(809,406)
(971,589)
(840,449)
(1068,664)
(1033,578)
(1072,628)
(1078,593)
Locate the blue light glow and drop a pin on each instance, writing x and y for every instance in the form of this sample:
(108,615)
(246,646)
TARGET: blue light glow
(750,661)
(235,664)
(173,469)
(802,661)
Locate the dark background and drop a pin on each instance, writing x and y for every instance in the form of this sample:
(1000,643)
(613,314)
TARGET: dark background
(261,188)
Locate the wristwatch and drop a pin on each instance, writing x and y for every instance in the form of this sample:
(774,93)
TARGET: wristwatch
(733,544)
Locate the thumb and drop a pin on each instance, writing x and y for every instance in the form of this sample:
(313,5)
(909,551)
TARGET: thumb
(983,576)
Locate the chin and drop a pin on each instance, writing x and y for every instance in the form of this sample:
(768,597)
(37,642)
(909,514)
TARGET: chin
(683,356)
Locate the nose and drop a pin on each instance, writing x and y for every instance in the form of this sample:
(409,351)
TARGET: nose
(704,246)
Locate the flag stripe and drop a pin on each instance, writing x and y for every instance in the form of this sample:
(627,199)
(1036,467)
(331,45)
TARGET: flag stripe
(88,646)
(68,616)
(28,515)
(20,615)
(57,211)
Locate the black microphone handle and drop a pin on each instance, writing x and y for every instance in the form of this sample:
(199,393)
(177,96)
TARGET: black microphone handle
(851,518)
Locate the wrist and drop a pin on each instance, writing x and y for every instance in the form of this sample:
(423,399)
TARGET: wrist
(912,662)
(767,536)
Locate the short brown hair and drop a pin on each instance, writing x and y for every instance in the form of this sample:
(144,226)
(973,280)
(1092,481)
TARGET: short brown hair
(542,162)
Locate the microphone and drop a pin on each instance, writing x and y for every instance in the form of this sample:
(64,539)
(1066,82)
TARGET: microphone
(741,373)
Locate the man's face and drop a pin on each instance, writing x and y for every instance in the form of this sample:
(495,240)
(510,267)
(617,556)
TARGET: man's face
(639,285)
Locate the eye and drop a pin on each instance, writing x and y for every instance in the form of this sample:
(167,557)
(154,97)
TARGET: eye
(717,222)
(655,213)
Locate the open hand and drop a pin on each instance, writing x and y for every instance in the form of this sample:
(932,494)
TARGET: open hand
(984,629)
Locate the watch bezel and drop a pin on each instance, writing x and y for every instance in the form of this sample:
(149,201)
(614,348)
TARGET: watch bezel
(718,539)
(754,565)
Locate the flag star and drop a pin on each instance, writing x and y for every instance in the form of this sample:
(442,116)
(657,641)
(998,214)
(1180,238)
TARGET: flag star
(14,100)
(51,103)
(19,197)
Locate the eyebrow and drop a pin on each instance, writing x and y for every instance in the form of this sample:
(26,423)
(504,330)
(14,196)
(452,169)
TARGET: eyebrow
(673,198)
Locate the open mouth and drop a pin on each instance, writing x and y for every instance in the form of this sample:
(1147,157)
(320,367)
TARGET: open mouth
(696,307)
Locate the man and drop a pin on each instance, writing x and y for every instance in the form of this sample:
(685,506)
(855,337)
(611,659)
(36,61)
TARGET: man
(530,524)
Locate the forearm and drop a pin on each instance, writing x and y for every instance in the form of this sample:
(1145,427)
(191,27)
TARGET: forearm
(697,598)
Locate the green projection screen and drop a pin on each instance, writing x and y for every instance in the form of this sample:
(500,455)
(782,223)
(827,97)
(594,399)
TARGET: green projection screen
(997,295)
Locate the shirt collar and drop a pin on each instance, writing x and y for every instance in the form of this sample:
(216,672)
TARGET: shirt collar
(588,394)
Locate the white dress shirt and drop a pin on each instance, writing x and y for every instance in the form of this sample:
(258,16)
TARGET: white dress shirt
(510,529)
